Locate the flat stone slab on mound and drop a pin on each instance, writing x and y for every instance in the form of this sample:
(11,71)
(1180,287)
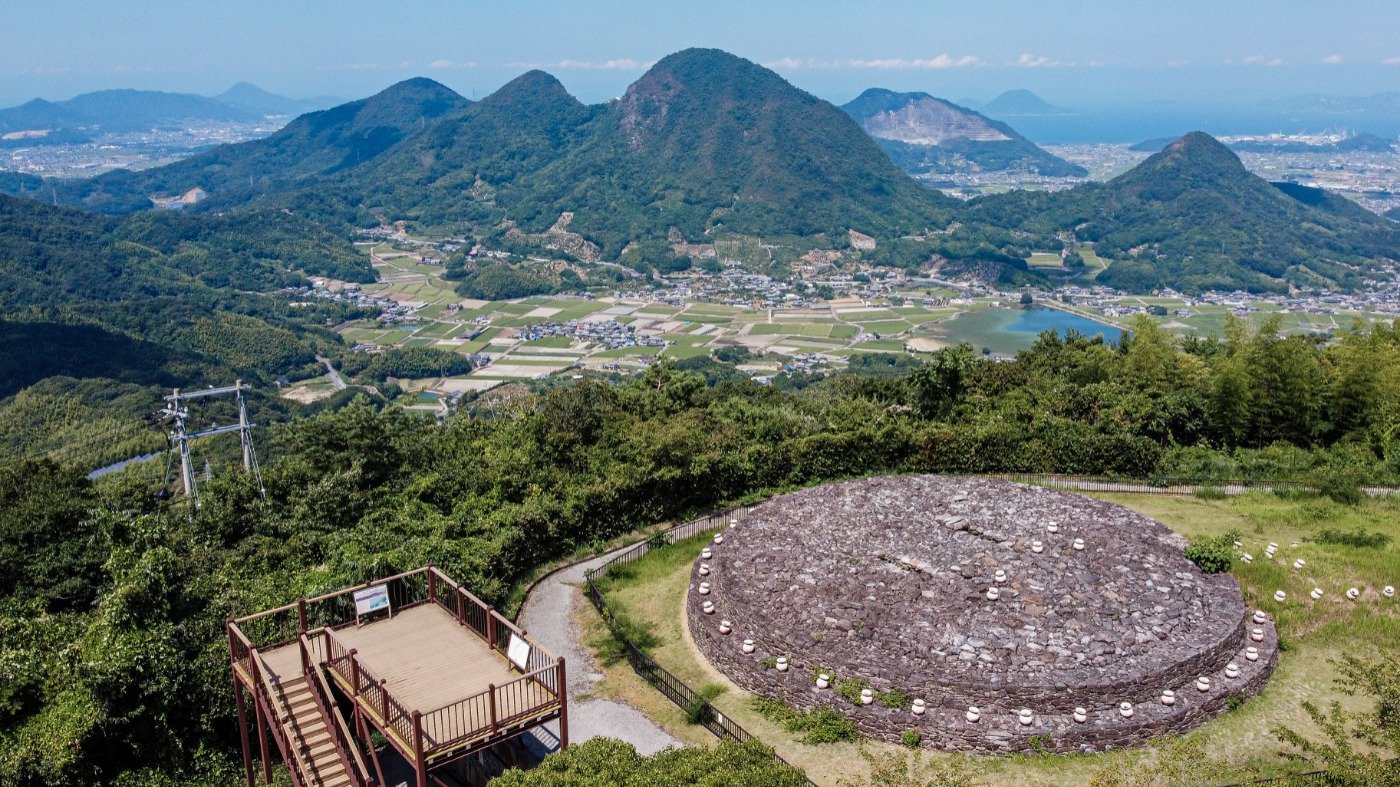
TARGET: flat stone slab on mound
(886,579)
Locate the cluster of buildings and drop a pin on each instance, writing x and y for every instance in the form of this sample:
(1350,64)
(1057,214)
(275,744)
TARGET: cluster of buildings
(609,333)
(393,312)
(125,150)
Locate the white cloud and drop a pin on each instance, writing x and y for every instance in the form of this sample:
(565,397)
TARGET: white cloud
(1028,60)
(1332,60)
(616,64)
(444,64)
(353,67)
(1392,61)
(941,61)
(1259,60)
(1178,63)
(937,62)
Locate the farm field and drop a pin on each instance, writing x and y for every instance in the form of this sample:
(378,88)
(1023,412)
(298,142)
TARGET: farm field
(625,333)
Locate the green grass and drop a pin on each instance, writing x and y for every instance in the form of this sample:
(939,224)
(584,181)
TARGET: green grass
(1044,260)
(626,352)
(681,351)
(1263,518)
(550,341)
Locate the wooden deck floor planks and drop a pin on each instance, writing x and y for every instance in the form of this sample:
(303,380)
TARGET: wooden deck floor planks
(427,658)
(429,661)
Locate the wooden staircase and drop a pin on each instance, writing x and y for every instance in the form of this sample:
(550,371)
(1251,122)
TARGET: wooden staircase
(317,758)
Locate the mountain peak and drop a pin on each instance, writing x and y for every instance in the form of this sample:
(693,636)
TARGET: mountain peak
(417,85)
(1200,151)
(702,58)
(692,82)
(401,102)
(531,87)
(1194,164)
(244,89)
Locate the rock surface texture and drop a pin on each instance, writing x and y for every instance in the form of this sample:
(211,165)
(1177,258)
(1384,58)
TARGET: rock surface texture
(886,580)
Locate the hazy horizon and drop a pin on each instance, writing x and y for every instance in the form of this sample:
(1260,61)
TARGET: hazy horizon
(1083,55)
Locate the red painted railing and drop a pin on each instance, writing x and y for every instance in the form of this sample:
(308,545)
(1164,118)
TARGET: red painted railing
(539,692)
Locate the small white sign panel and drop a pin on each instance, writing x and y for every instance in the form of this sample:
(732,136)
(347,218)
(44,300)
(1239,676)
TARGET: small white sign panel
(371,599)
(518,652)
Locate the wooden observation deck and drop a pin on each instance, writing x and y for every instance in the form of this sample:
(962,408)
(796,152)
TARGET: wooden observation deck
(438,673)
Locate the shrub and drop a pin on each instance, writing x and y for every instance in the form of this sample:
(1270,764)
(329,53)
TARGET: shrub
(1042,744)
(699,710)
(850,689)
(1213,555)
(1341,484)
(823,725)
(911,738)
(611,643)
(894,698)
(826,725)
(1211,493)
(1352,538)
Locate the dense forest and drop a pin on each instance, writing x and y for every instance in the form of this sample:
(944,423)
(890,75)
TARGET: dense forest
(99,308)
(113,601)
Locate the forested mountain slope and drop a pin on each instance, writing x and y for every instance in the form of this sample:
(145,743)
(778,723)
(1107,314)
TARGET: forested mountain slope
(158,297)
(704,140)
(313,144)
(1193,218)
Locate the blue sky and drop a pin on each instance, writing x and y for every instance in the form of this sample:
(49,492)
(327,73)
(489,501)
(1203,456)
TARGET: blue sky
(1077,53)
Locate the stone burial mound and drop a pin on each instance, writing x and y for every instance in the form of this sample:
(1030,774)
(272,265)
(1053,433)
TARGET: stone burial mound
(986,615)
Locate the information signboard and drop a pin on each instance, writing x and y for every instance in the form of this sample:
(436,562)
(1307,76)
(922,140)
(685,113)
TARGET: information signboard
(518,652)
(371,599)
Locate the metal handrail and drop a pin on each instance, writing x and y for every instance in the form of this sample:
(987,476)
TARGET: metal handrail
(530,676)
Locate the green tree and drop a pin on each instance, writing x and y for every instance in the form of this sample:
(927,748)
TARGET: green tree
(607,762)
(1361,748)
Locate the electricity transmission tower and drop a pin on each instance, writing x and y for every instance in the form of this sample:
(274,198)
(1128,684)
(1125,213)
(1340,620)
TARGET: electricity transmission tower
(177,409)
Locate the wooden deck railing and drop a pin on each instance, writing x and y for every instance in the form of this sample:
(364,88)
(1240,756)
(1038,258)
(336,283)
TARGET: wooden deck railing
(246,657)
(311,623)
(346,747)
(492,710)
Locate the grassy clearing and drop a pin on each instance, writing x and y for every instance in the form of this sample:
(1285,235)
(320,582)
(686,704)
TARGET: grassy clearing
(651,593)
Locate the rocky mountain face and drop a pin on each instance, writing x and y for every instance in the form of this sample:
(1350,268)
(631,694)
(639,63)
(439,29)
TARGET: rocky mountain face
(928,135)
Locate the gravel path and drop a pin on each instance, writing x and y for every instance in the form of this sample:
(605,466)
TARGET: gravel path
(548,617)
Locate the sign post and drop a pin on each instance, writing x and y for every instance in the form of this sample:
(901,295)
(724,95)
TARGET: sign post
(372,599)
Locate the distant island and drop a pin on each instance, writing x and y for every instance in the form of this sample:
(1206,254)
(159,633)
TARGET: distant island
(1020,103)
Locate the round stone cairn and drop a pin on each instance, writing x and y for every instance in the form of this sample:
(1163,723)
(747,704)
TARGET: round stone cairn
(885,580)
